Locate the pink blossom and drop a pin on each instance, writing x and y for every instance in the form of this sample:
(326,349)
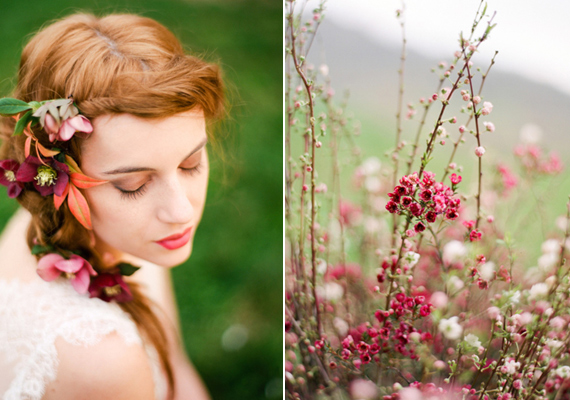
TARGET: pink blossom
(68,128)
(76,268)
(363,389)
(475,235)
(489,126)
(479,151)
(476,100)
(487,108)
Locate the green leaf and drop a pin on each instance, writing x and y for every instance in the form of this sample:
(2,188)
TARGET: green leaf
(127,269)
(22,122)
(39,249)
(9,106)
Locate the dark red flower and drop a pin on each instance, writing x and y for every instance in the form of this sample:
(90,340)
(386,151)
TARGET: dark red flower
(406,201)
(416,209)
(8,171)
(425,195)
(391,207)
(451,214)
(109,287)
(48,178)
(431,216)
(419,227)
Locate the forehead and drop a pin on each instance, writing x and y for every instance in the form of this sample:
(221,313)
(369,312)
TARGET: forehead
(124,140)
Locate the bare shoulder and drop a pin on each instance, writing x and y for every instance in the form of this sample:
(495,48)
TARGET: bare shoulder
(111,369)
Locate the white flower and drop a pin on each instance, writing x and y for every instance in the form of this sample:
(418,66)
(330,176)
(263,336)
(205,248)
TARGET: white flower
(450,328)
(411,258)
(472,340)
(455,282)
(372,225)
(554,343)
(547,261)
(550,246)
(371,166)
(453,251)
(324,69)
(510,367)
(513,297)
(341,326)
(563,371)
(331,291)
(531,134)
(537,291)
(487,270)
(372,184)
(321,267)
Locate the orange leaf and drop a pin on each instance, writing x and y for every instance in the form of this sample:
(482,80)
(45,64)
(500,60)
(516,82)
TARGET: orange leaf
(84,181)
(27,146)
(58,200)
(73,167)
(46,152)
(78,207)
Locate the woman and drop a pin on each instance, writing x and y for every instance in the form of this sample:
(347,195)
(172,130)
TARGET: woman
(108,161)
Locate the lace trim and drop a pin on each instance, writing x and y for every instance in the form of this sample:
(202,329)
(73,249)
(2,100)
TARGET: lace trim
(35,313)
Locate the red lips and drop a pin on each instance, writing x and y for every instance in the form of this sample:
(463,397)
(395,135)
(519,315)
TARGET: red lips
(176,241)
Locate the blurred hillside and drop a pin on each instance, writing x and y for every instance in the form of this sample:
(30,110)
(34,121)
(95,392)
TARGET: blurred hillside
(368,69)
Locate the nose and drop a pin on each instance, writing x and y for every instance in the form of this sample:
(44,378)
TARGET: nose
(174,205)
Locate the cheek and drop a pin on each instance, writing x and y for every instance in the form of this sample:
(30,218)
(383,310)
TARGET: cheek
(111,216)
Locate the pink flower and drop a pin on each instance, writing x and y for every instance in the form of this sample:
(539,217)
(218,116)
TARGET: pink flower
(489,126)
(487,108)
(76,268)
(475,236)
(68,128)
(8,171)
(455,179)
(109,287)
(479,151)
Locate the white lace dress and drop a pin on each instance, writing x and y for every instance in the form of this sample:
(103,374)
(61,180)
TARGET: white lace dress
(34,314)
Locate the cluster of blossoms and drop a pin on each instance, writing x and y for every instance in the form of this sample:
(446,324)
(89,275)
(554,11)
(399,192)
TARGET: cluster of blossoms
(106,286)
(51,172)
(424,199)
(530,156)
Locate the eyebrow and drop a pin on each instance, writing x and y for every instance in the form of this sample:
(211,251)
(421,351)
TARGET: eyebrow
(126,170)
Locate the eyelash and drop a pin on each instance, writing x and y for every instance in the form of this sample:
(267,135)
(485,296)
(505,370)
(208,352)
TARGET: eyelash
(133,194)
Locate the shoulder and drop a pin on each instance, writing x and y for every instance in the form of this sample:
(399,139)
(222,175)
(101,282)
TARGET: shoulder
(110,369)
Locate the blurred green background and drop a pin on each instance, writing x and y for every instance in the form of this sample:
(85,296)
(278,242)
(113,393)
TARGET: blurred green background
(230,291)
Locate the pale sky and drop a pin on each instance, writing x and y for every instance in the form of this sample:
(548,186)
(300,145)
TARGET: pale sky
(532,36)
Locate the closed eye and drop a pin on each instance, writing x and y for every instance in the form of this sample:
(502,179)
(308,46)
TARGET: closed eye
(132,194)
(194,170)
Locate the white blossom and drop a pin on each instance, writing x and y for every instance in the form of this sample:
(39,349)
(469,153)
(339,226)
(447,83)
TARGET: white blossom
(563,371)
(537,291)
(550,246)
(455,282)
(510,367)
(472,340)
(341,326)
(453,251)
(547,261)
(371,166)
(450,328)
(331,291)
(411,258)
(487,270)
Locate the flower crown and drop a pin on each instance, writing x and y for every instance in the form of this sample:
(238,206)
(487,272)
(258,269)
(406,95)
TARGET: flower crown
(52,172)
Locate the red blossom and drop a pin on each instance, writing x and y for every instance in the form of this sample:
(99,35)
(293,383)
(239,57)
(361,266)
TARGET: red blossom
(475,235)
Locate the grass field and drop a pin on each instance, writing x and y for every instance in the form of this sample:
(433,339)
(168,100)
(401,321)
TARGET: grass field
(233,282)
